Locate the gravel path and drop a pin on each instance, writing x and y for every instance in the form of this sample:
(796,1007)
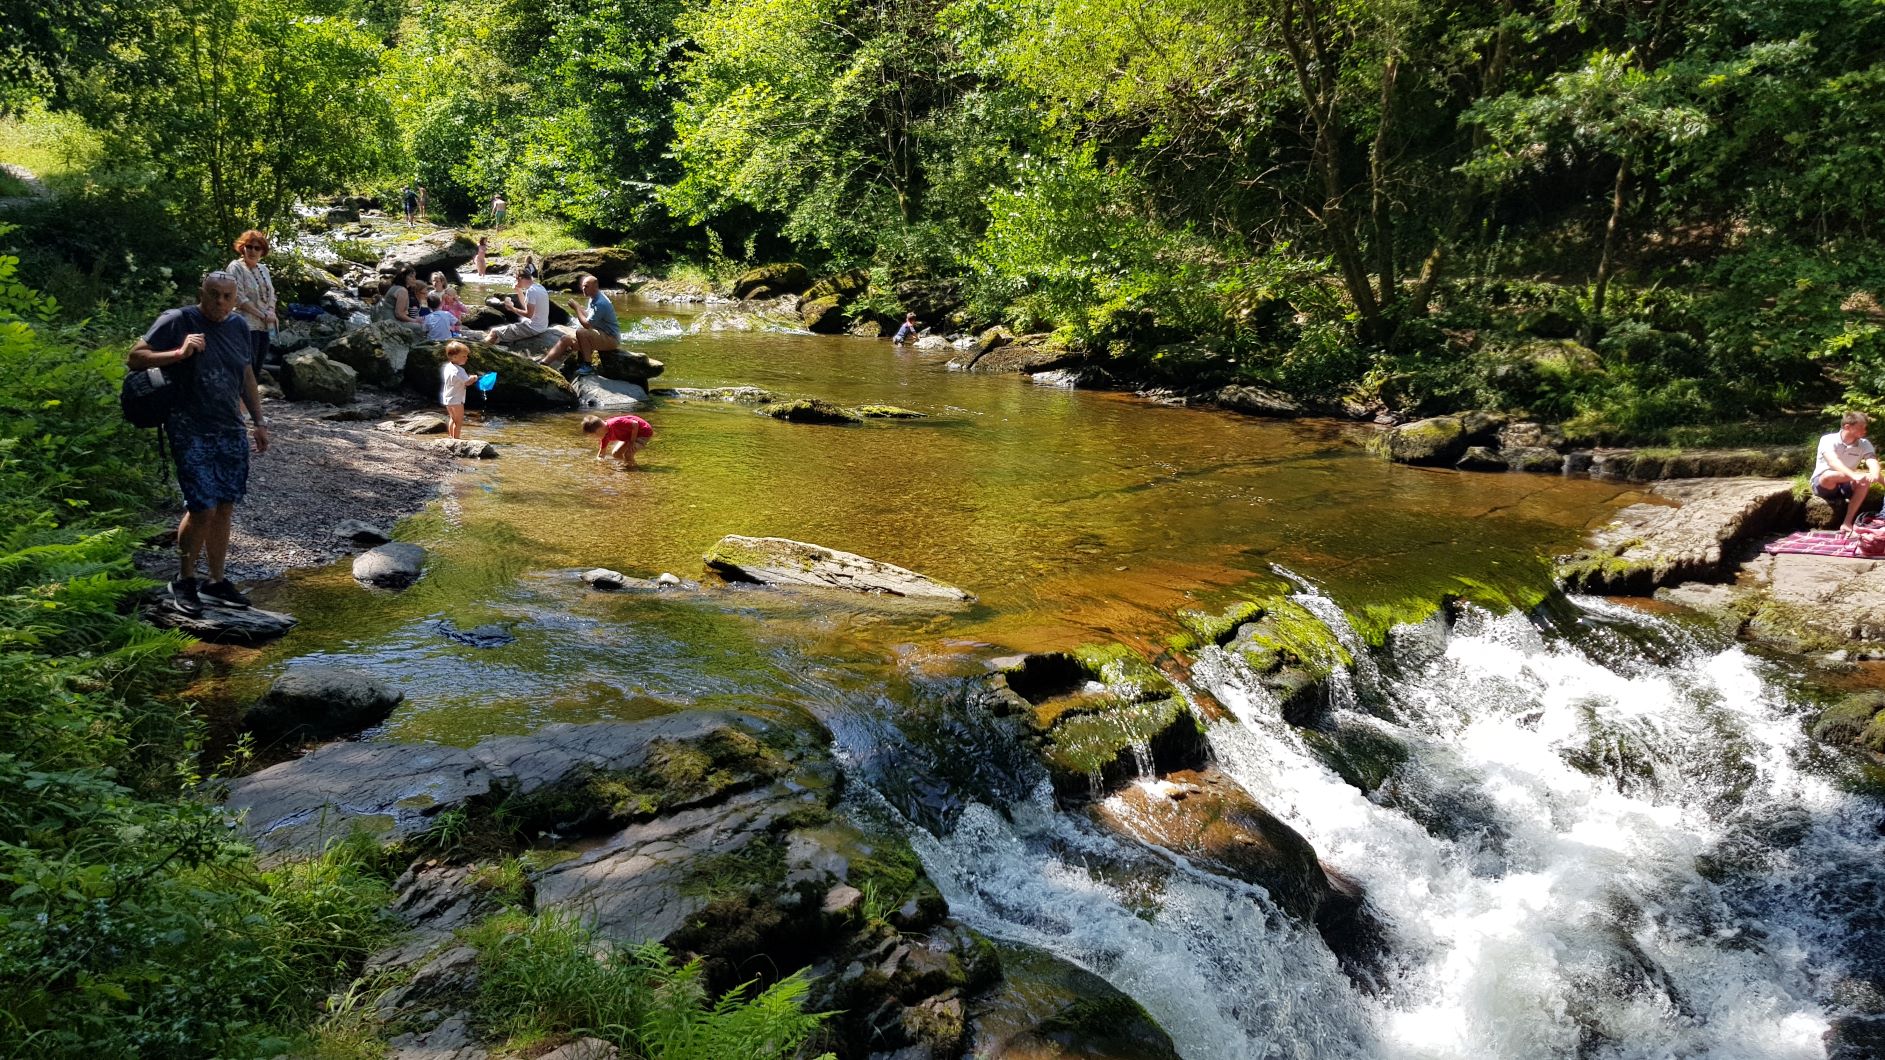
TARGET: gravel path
(317,473)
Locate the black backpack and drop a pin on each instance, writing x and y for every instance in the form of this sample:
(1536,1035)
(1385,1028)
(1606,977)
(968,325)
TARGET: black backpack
(149,394)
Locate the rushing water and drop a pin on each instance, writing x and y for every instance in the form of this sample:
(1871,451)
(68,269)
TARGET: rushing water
(1609,836)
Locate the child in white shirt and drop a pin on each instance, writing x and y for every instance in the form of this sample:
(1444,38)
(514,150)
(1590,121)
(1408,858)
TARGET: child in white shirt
(453,380)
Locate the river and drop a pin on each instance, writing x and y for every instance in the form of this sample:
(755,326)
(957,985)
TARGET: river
(1609,837)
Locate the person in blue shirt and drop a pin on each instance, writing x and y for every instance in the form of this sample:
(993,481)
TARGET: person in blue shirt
(906,333)
(208,439)
(597,330)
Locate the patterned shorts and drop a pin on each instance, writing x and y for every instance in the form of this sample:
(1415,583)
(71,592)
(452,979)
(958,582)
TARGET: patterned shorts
(212,469)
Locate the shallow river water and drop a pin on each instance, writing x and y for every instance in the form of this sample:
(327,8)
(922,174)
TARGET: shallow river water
(1706,888)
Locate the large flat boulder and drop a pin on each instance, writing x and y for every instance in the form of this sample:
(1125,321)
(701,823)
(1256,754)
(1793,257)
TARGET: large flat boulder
(435,251)
(596,392)
(377,352)
(521,382)
(310,375)
(1649,465)
(1026,354)
(1697,537)
(390,790)
(781,561)
(609,265)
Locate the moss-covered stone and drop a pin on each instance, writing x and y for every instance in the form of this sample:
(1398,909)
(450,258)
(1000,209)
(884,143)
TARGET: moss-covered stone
(1288,634)
(766,281)
(1437,441)
(1204,627)
(811,410)
(1858,719)
(1360,754)
(885,412)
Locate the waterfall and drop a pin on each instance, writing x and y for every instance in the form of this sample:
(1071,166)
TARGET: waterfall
(1594,845)
(1552,860)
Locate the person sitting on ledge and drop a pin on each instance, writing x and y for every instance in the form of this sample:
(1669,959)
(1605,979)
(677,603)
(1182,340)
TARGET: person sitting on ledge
(597,330)
(1845,468)
(529,304)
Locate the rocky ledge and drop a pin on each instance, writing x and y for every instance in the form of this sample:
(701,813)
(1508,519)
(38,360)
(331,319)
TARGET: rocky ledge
(1701,534)
(717,834)
(779,561)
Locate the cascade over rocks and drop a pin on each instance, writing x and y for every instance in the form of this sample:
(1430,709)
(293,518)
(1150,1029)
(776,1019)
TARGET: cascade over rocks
(1650,545)
(778,561)
(1089,711)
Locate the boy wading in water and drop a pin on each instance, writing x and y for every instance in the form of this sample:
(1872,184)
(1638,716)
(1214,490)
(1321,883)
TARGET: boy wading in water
(621,437)
(452,382)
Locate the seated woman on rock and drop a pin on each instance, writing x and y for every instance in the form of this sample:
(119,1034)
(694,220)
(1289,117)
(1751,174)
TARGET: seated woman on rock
(396,302)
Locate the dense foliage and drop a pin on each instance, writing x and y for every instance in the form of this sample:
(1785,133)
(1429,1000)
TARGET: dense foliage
(1388,200)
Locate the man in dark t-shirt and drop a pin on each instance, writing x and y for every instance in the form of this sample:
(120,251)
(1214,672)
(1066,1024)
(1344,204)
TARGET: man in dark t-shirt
(207,435)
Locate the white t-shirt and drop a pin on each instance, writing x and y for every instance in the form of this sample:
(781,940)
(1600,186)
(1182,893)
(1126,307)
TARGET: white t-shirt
(1850,455)
(453,380)
(438,325)
(539,300)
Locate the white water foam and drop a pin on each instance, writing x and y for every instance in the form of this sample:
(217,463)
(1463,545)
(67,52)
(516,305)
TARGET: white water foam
(1223,971)
(1562,914)
(652,329)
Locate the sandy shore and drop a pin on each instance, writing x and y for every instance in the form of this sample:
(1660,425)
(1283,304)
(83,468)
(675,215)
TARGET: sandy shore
(317,473)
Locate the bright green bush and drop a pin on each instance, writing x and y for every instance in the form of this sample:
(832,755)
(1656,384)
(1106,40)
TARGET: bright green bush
(548,974)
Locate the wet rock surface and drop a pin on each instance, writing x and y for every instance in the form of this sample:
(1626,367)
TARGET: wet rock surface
(596,392)
(1649,546)
(391,790)
(1047,1009)
(224,625)
(394,565)
(811,410)
(779,561)
(522,383)
(317,702)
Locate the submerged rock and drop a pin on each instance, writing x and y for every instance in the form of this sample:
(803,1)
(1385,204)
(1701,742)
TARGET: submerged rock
(781,561)
(1216,825)
(810,410)
(225,625)
(886,412)
(318,702)
(739,395)
(1046,1008)
(1650,545)
(491,635)
(394,565)
(610,581)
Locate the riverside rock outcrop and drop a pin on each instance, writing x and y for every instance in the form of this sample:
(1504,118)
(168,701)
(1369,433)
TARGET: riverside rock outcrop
(522,383)
(778,561)
(1649,546)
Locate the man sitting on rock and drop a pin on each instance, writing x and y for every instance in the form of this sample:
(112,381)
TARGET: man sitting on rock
(597,330)
(1845,468)
(529,304)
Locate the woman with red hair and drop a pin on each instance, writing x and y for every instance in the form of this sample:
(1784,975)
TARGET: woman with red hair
(255,293)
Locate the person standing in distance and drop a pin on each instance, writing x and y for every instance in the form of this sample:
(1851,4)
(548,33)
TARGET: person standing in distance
(207,437)
(410,199)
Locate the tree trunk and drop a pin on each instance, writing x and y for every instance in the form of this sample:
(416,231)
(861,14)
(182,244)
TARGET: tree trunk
(1381,207)
(1318,92)
(1594,327)
(1463,206)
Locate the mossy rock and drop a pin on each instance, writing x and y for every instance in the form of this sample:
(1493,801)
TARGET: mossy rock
(1437,442)
(1287,634)
(840,287)
(1857,719)
(1205,627)
(885,412)
(822,316)
(771,280)
(811,410)
(1099,751)
(1047,1008)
